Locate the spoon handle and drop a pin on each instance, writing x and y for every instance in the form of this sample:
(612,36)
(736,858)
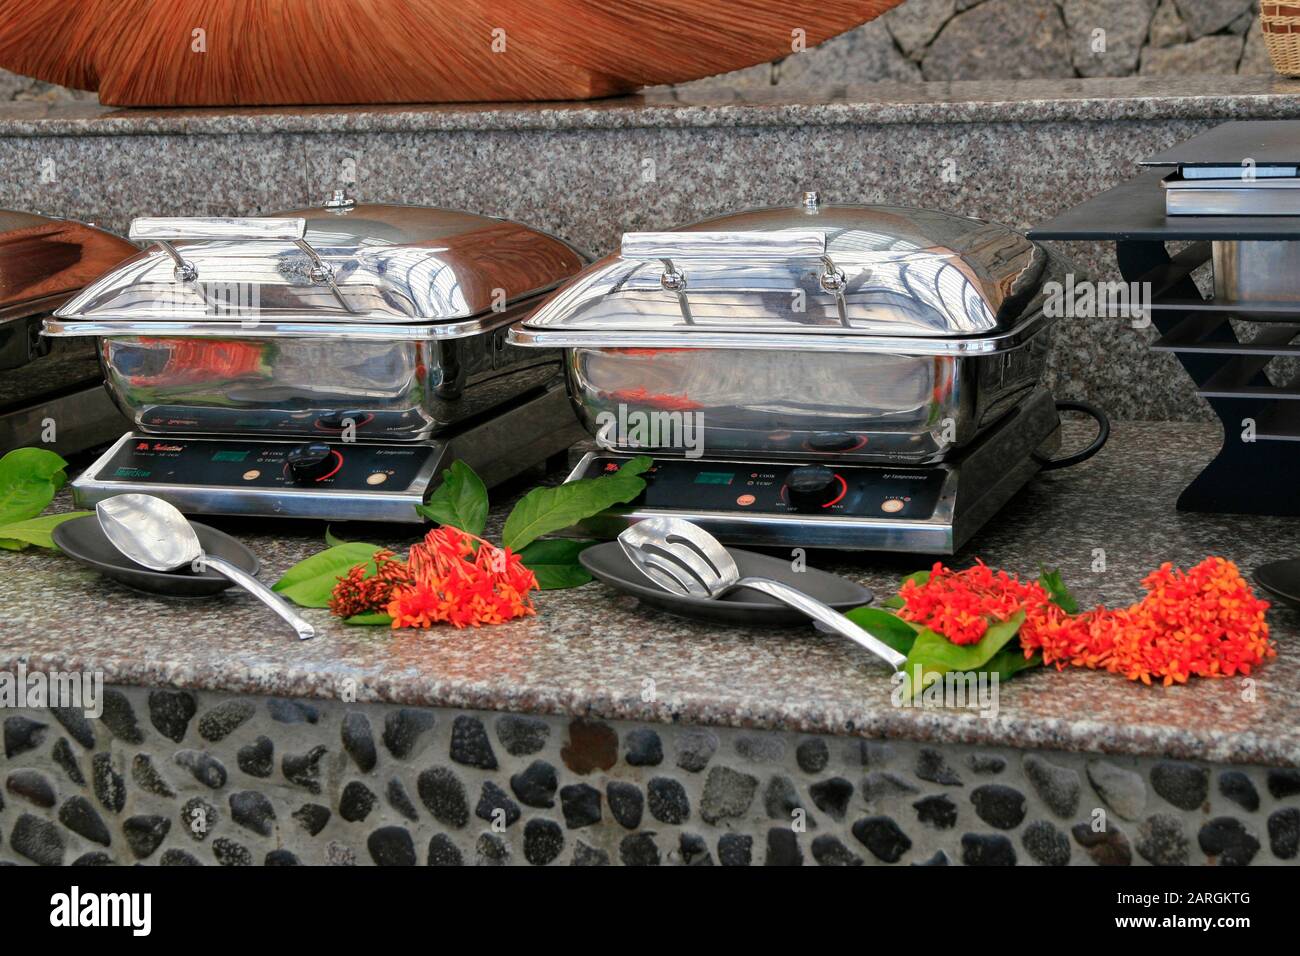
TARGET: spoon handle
(828,616)
(262,593)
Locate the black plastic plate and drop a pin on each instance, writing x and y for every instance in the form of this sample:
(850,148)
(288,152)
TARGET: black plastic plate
(83,540)
(1281,579)
(609,564)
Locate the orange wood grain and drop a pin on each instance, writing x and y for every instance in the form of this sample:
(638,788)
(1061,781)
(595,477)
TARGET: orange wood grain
(284,52)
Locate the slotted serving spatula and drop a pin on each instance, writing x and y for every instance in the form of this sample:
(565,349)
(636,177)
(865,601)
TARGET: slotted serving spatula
(685,559)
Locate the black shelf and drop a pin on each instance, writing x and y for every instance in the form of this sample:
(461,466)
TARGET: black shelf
(1263,142)
(1239,378)
(1135,211)
(1193,335)
(1282,312)
(1255,471)
(1279,424)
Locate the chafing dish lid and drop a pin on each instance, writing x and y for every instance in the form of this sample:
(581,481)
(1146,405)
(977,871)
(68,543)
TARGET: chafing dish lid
(869,271)
(43,260)
(343,262)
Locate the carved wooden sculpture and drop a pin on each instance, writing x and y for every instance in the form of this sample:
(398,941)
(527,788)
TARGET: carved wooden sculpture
(266,52)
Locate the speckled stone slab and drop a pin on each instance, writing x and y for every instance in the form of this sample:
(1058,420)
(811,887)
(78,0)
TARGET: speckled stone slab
(591,651)
(968,101)
(1016,152)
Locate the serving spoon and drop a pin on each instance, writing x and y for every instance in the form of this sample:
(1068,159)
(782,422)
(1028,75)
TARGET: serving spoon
(153,533)
(684,559)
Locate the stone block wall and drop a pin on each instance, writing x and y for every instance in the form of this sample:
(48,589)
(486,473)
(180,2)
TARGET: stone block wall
(1024,39)
(23,89)
(177,778)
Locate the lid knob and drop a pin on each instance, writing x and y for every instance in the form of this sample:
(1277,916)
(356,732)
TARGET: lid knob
(811,199)
(340,200)
(673,280)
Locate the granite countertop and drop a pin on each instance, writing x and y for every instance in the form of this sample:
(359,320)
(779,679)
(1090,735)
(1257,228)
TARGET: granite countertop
(592,651)
(1039,100)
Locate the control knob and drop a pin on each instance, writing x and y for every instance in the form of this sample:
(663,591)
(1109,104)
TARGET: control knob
(311,462)
(812,487)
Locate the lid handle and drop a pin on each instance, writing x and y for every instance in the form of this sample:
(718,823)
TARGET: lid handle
(162,231)
(670,247)
(155,228)
(785,244)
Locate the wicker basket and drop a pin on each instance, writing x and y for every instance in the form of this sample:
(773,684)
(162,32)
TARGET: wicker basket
(1281,25)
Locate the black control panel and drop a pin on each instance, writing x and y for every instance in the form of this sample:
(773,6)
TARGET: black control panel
(244,463)
(859,491)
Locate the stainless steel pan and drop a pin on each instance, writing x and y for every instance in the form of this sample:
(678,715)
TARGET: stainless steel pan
(853,333)
(380,322)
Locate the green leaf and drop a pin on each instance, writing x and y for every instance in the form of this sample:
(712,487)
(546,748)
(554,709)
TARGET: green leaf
(916,577)
(938,655)
(373,619)
(895,602)
(20,534)
(1058,592)
(1010,661)
(460,501)
(29,477)
(310,582)
(544,510)
(331,539)
(554,562)
(890,628)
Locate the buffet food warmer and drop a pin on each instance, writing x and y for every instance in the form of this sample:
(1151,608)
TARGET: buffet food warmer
(322,363)
(1225,201)
(51,390)
(854,377)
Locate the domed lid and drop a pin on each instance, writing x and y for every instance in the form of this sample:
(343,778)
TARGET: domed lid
(343,261)
(809,269)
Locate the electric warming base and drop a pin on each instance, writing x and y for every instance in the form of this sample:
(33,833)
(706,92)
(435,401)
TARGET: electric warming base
(1255,471)
(327,480)
(930,509)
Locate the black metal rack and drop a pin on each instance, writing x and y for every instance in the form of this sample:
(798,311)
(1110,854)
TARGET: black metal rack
(1257,471)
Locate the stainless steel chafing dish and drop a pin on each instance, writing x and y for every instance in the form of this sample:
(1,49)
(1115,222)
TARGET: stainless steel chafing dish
(42,262)
(852,333)
(379,322)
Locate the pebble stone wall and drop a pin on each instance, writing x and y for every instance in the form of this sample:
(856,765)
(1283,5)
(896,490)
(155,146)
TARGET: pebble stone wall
(181,779)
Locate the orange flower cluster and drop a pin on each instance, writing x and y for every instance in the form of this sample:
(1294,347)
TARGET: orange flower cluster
(1205,622)
(359,592)
(961,604)
(450,577)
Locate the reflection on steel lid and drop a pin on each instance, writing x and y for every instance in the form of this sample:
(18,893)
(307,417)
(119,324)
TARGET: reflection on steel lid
(811,268)
(341,260)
